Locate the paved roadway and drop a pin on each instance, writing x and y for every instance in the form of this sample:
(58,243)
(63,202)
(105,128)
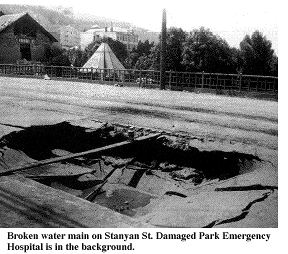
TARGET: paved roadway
(26,101)
(230,123)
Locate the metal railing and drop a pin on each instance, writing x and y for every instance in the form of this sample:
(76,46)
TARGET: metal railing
(151,78)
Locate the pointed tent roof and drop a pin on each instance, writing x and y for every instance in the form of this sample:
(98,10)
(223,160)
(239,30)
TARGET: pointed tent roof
(104,58)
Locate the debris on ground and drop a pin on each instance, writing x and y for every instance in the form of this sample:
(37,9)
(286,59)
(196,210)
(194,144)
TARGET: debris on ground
(165,181)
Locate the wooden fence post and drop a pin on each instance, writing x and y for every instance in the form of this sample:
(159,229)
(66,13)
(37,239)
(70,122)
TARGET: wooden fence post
(210,81)
(240,81)
(170,80)
(202,85)
(140,78)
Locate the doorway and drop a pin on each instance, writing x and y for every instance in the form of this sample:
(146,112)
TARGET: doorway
(25,51)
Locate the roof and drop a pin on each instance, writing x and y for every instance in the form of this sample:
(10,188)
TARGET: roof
(107,29)
(7,20)
(95,26)
(104,58)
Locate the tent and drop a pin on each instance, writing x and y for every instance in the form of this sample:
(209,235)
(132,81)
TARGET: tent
(104,58)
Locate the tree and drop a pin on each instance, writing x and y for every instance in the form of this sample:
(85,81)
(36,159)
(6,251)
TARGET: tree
(155,57)
(175,40)
(60,60)
(257,55)
(117,47)
(144,63)
(151,61)
(176,37)
(142,49)
(274,65)
(204,51)
(131,60)
(55,56)
(78,57)
(236,60)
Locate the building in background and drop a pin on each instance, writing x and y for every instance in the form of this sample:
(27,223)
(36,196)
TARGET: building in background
(87,37)
(126,36)
(22,37)
(55,31)
(69,37)
(148,35)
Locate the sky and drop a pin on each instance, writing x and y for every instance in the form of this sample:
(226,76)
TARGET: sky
(231,20)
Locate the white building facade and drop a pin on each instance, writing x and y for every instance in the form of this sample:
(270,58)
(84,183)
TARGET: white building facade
(69,37)
(126,36)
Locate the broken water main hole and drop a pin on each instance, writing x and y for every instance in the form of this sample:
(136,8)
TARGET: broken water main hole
(165,165)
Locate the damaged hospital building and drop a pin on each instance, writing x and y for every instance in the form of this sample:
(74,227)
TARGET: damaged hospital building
(22,37)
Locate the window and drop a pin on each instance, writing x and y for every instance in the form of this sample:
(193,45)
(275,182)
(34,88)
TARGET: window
(24,40)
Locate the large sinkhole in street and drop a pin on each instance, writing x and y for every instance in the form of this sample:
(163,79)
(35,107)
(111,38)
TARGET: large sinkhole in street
(141,171)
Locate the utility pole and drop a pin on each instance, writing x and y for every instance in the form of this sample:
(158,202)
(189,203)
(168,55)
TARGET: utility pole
(163,51)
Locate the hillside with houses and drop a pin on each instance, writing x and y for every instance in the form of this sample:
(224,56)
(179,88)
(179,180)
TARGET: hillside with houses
(55,19)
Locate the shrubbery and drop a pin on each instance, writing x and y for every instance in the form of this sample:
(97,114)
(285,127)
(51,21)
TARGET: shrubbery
(197,51)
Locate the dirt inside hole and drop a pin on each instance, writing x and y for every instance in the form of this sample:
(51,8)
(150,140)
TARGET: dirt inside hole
(167,165)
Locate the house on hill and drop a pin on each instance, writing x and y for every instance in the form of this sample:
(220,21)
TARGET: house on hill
(22,37)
